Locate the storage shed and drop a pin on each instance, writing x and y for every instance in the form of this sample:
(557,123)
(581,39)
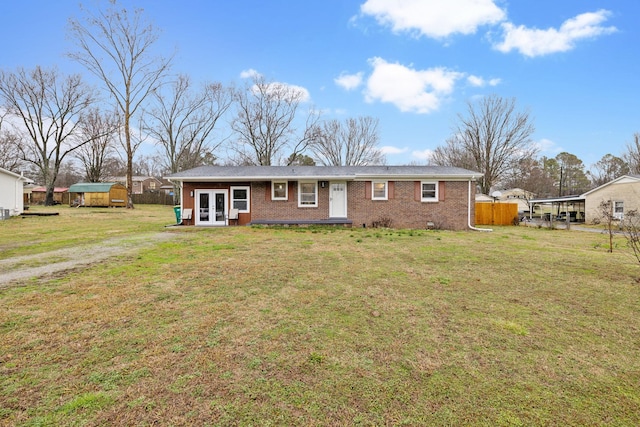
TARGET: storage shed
(98,194)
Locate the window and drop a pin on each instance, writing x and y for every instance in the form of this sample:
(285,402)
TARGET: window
(429,191)
(240,198)
(618,210)
(279,190)
(308,194)
(379,190)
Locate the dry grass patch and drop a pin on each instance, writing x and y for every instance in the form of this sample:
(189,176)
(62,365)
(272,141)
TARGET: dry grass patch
(252,326)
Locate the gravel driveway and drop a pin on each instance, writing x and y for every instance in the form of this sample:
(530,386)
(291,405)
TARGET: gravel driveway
(16,270)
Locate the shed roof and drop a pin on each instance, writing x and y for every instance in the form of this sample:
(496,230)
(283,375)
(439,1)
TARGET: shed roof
(91,187)
(44,189)
(249,173)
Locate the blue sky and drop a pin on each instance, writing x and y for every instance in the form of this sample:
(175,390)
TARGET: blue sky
(413,64)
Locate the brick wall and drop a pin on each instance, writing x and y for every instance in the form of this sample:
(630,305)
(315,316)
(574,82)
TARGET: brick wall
(262,207)
(403,207)
(628,192)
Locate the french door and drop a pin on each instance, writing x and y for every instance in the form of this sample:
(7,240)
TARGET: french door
(211,207)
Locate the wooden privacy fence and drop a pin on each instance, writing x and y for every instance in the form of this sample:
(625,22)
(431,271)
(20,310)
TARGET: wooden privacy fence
(152,199)
(496,213)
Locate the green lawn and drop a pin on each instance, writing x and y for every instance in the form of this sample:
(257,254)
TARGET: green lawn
(267,326)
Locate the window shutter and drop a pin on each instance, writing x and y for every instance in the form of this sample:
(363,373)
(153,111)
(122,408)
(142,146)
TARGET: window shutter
(441,191)
(391,190)
(367,190)
(267,191)
(417,191)
(292,187)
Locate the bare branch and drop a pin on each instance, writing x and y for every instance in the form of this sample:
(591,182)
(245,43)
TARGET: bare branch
(48,107)
(352,143)
(490,139)
(115,45)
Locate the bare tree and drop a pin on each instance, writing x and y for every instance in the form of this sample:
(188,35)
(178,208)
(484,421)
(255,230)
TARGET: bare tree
(182,123)
(491,138)
(48,107)
(630,226)
(10,147)
(632,154)
(115,45)
(532,175)
(98,155)
(265,122)
(606,214)
(352,143)
(149,165)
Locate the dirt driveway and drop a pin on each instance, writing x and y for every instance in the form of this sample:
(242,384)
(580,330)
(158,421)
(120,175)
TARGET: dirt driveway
(17,270)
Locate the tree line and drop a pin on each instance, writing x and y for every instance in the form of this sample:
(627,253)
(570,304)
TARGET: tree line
(59,129)
(50,121)
(494,137)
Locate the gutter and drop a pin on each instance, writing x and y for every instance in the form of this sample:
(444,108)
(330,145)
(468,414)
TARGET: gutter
(469,214)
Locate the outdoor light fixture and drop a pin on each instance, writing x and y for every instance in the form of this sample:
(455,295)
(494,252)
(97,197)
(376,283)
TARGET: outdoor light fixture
(191,193)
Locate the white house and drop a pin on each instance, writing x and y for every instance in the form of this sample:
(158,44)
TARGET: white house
(11,192)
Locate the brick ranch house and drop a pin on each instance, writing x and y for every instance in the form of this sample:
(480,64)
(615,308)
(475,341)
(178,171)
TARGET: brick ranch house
(359,196)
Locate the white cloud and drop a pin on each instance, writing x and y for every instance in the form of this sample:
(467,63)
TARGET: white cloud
(477,81)
(419,91)
(434,18)
(548,146)
(535,42)
(349,81)
(250,73)
(424,155)
(305,96)
(388,149)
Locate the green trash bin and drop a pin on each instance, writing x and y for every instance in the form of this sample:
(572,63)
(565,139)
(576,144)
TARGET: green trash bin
(176,209)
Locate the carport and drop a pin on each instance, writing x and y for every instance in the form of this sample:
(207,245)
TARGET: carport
(558,208)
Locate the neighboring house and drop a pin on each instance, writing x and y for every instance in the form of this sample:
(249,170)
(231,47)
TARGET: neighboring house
(39,195)
(483,198)
(98,194)
(11,193)
(623,192)
(166,187)
(360,196)
(141,184)
(516,195)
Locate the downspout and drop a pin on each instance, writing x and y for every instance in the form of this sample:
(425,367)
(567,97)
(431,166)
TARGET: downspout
(469,214)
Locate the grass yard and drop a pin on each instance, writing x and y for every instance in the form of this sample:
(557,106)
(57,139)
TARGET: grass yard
(264,326)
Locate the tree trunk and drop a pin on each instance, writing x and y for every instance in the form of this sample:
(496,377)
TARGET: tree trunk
(127,137)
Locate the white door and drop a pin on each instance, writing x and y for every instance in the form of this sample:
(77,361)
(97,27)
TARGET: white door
(211,207)
(338,200)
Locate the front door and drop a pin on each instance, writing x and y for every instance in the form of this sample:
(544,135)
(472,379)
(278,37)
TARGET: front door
(211,207)
(338,200)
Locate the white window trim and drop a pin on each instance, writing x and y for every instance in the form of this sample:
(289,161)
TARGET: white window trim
(386,190)
(241,187)
(315,203)
(286,190)
(429,199)
(618,214)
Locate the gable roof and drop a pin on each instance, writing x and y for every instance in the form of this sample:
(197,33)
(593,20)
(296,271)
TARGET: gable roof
(265,173)
(91,187)
(624,179)
(13,174)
